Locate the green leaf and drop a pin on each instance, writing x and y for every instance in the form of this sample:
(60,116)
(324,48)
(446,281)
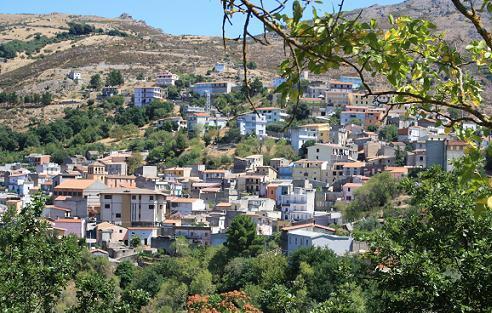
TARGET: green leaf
(297,9)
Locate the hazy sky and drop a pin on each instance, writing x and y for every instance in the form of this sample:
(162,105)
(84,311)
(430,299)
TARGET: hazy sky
(197,17)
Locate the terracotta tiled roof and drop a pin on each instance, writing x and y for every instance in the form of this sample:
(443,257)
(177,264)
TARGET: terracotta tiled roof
(223,205)
(203,114)
(75,184)
(182,200)
(68,220)
(397,169)
(352,185)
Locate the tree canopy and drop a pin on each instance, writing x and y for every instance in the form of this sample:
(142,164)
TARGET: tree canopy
(420,68)
(241,237)
(35,264)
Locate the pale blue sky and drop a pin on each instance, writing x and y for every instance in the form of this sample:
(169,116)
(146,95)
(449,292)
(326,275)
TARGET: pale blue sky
(197,17)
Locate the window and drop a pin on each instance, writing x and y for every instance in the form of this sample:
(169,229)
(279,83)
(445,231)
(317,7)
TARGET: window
(151,198)
(151,206)
(118,215)
(134,197)
(107,206)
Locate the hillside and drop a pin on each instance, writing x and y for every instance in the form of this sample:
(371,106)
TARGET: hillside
(143,50)
(146,50)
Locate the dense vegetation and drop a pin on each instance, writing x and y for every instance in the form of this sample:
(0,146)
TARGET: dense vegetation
(433,258)
(35,98)
(9,50)
(79,130)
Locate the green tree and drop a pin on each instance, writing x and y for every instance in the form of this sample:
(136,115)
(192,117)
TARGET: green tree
(135,241)
(115,78)
(140,76)
(34,264)
(237,274)
(170,298)
(373,196)
(304,148)
(202,283)
(95,293)
(436,259)
(173,93)
(349,298)
(400,157)
(241,237)
(125,271)
(408,56)
(46,98)
(256,87)
(251,65)
(301,111)
(132,301)
(95,82)
(134,162)
(389,133)
(279,299)
(320,271)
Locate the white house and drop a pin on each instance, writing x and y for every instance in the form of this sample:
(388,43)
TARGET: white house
(320,238)
(51,169)
(166,79)
(316,132)
(298,205)
(332,153)
(213,88)
(74,75)
(185,206)
(203,120)
(145,234)
(220,67)
(252,123)
(273,114)
(355,80)
(277,81)
(146,94)
(455,149)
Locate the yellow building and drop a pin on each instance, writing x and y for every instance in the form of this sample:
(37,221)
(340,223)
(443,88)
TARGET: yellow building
(318,132)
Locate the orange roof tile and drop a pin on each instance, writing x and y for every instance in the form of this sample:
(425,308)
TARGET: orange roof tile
(68,220)
(397,169)
(352,185)
(223,204)
(75,184)
(182,200)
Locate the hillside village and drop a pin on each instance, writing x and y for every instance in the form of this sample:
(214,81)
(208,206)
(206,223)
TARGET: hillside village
(340,141)
(144,172)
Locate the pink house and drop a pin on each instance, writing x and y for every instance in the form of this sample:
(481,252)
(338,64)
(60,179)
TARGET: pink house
(397,172)
(107,233)
(71,226)
(348,190)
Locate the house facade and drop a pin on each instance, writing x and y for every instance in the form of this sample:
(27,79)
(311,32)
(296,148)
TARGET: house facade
(132,207)
(146,94)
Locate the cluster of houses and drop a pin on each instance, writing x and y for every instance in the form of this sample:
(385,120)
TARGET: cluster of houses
(94,197)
